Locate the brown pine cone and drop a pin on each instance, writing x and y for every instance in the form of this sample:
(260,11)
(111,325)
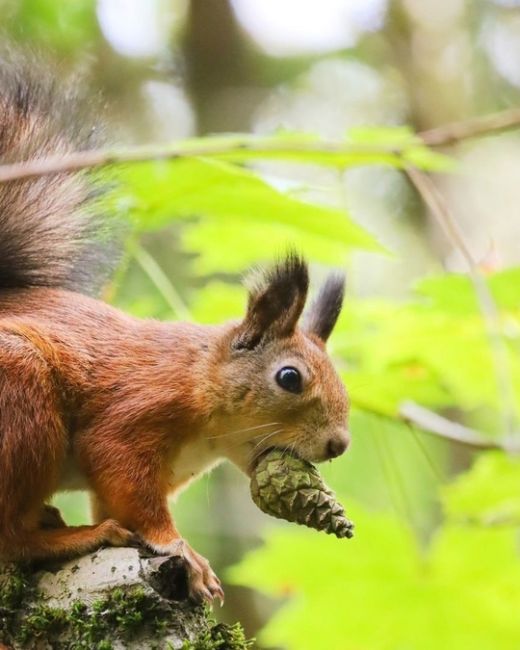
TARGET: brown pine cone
(290,488)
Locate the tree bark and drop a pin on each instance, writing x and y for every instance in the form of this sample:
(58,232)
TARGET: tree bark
(113,599)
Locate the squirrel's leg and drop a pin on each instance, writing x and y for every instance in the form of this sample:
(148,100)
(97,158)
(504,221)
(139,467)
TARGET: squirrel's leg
(98,509)
(69,541)
(33,446)
(143,508)
(51,517)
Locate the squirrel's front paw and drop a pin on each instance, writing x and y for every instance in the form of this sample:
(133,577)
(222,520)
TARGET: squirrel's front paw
(113,534)
(203,584)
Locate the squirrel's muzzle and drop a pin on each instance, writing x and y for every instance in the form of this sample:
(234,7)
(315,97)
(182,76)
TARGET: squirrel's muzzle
(337,445)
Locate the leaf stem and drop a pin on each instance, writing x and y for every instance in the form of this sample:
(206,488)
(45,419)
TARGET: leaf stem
(161,282)
(453,132)
(62,163)
(440,211)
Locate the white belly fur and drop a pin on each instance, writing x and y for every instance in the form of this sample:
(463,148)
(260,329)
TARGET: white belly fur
(194,458)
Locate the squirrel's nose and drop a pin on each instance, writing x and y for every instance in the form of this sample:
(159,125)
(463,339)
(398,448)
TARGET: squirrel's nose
(337,446)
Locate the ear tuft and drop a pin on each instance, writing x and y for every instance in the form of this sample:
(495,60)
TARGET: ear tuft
(276,300)
(323,314)
(288,275)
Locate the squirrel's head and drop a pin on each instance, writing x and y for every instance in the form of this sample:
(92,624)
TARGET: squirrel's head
(277,385)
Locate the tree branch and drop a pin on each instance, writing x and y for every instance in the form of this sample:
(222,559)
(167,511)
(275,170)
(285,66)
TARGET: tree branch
(442,214)
(475,127)
(433,423)
(113,598)
(95,158)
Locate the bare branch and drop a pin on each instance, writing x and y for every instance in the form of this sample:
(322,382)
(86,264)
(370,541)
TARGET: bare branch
(101,158)
(442,135)
(441,212)
(472,128)
(436,424)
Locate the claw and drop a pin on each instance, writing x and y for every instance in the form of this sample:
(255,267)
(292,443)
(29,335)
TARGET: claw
(207,595)
(203,584)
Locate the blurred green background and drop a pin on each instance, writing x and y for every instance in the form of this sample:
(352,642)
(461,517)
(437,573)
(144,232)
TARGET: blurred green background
(435,562)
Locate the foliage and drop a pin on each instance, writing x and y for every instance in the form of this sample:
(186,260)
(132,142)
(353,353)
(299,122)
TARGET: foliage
(435,561)
(58,24)
(235,205)
(489,493)
(435,573)
(384,591)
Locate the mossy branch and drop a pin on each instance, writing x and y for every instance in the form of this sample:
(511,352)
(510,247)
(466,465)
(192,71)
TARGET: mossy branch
(114,598)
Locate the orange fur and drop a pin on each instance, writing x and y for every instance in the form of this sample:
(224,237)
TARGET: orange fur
(131,410)
(119,402)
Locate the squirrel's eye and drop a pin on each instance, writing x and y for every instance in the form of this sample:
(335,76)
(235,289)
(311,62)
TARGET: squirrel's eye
(289,379)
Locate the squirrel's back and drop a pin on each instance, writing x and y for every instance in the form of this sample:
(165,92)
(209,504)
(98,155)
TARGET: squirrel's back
(51,231)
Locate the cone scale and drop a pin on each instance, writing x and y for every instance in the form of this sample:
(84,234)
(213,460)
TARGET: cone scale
(290,488)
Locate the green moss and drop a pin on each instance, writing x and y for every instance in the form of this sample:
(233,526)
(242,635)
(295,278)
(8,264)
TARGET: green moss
(220,637)
(14,588)
(122,614)
(40,623)
(14,584)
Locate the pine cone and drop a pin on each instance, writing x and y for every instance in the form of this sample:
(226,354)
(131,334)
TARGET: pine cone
(287,487)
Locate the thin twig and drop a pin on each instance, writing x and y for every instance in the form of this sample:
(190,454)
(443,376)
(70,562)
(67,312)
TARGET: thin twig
(441,212)
(435,468)
(475,127)
(161,282)
(75,161)
(96,158)
(433,423)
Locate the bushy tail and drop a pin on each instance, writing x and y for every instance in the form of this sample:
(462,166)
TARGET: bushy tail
(51,234)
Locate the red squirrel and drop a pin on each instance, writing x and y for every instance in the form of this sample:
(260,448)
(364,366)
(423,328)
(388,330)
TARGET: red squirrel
(132,410)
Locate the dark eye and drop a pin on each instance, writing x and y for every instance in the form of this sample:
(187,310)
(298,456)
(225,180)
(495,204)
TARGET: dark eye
(289,379)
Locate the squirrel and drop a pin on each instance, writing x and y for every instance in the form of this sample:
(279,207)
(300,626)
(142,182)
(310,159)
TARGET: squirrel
(132,410)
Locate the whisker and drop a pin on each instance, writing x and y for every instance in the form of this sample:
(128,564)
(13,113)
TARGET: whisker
(255,456)
(266,437)
(263,436)
(285,451)
(290,448)
(236,432)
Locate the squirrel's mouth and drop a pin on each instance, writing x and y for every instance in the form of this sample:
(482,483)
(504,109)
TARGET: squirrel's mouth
(285,451)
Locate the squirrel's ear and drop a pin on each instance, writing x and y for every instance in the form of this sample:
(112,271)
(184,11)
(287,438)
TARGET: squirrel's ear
(276,301)
(324,311)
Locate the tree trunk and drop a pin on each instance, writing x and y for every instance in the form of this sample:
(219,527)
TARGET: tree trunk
(113,599)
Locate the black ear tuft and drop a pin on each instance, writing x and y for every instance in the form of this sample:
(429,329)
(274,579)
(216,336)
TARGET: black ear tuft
(326,308)
(276,300)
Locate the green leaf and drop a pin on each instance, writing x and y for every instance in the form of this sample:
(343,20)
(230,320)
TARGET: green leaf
(409,144)
(395,137)
(384,392)
(450,343)
(251,242)
(489,493)
(455,293)
(428,160)
(305,148)
(379,592)
(218,301)
(235,205)
(64,25)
